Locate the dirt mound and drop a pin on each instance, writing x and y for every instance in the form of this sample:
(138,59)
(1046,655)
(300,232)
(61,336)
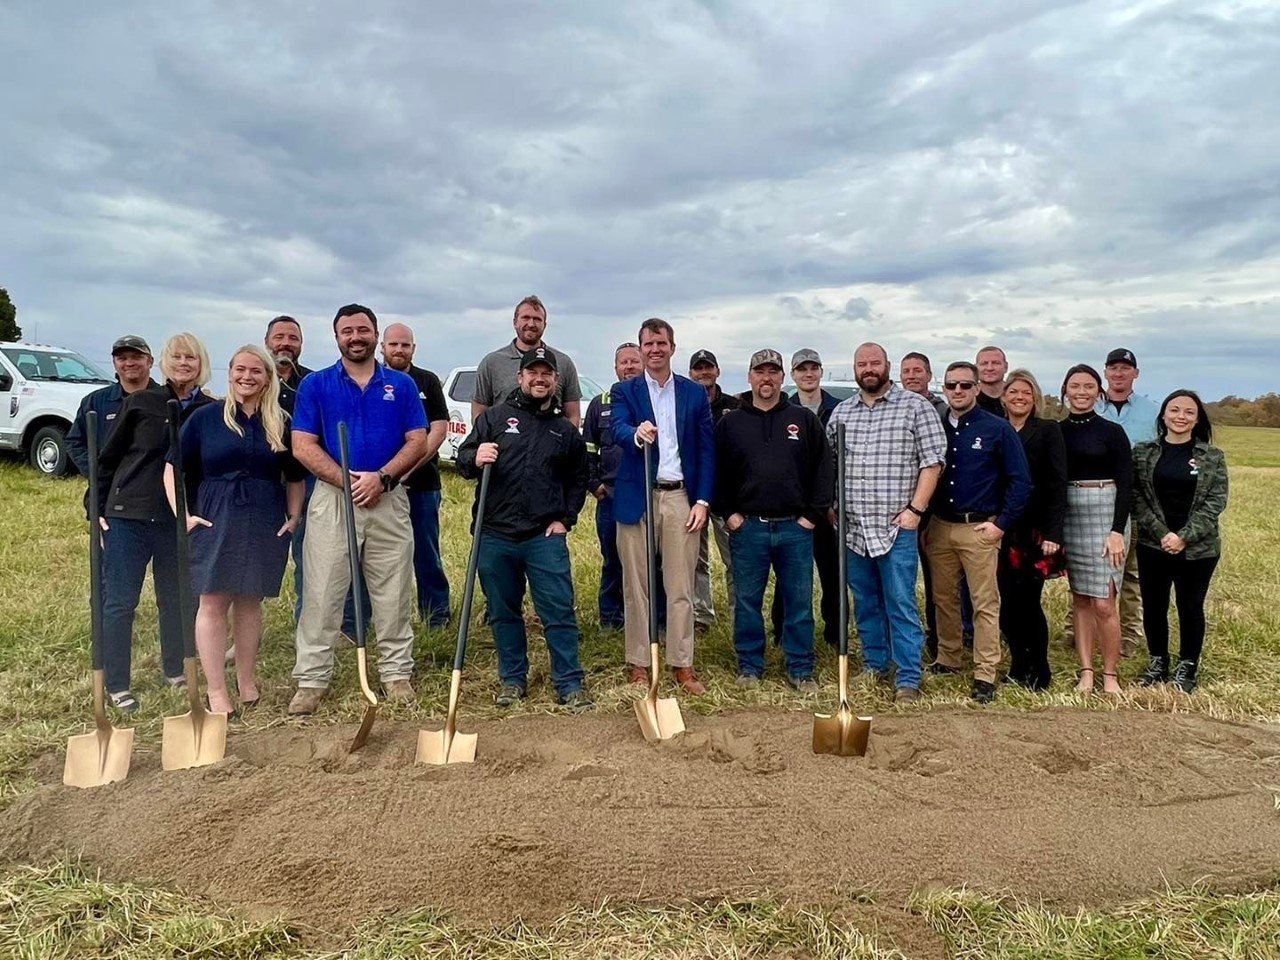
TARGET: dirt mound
(558,812)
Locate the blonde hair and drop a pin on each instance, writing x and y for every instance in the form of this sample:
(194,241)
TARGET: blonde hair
(188,343)
(268,402)
(1029,378)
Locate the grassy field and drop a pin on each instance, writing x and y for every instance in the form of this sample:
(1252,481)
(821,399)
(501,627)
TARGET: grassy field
(44,697)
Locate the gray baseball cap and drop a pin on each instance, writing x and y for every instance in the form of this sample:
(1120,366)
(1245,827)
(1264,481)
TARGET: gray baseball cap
(130,341)
(807,355)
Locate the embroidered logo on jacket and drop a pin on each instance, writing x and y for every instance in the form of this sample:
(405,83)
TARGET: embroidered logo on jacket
(977,443)
(513,425)
(793,431)
(1195,467)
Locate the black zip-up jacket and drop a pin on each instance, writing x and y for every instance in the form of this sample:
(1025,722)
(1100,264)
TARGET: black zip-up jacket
(132,460)
(540,475)
(1046,511)
(773,463)
(825,406)
(603,455)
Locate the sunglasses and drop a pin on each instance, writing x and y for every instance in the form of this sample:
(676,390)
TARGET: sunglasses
(959,385)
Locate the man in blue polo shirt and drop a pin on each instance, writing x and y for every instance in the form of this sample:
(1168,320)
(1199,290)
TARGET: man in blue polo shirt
(983,489)
(387,427)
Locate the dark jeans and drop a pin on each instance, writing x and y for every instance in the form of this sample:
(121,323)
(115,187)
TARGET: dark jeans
(505,565)
(1023,623)
(428,565)
(1160,572)
(786,547)
(610,597)
(826,557)
(884,604)
(128,547)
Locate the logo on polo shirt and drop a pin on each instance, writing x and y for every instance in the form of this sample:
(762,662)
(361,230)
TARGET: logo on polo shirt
(388,391)
(977,443)
(793,431)
(513,425)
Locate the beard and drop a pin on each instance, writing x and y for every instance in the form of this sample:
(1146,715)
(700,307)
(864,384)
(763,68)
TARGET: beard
(398,363)
(356,350)
(872,381)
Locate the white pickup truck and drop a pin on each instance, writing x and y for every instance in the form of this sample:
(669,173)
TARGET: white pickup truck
(459,388)
(40,391)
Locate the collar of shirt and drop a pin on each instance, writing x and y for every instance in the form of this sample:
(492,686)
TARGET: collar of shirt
(346,377)
(892,395)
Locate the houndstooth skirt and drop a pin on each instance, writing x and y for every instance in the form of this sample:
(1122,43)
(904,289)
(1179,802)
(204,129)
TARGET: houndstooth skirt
(1090,511)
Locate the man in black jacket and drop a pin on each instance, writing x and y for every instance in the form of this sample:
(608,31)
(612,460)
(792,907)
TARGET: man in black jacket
(537,488)
(704,370)
(132,359)
(774,484)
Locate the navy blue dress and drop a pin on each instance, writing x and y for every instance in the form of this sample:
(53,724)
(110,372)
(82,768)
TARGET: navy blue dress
(238,485)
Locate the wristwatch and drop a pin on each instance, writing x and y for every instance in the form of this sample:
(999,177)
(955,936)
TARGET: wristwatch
(918,513)
(389,482)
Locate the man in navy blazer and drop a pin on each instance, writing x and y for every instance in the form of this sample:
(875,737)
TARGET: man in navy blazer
(672,414)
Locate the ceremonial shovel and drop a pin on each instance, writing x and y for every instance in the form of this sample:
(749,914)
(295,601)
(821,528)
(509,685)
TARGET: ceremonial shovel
(843,734)
(659,719)
(198,737)
(447,745)
(353,557)
(100,757)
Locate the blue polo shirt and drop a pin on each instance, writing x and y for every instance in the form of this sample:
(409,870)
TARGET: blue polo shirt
(377,417)
(986,470)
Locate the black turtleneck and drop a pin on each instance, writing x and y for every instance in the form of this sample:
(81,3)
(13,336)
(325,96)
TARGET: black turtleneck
(1098,449)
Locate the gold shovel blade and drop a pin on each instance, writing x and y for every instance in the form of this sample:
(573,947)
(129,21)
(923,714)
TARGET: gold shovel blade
(843,734)
(99,757)
(660,719)
(370,715)
(436,748)
(192,740)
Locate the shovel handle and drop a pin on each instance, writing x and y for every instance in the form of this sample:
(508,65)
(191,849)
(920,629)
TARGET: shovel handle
(353,550)
(473,563)
(182,541)
(842,529)
(651,545)
(95,543)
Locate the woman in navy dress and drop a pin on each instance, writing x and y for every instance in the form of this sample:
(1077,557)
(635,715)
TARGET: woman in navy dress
(244,492)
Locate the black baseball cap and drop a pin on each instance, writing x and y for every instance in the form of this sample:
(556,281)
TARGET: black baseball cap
(130,341)
(702,356)
(1121,355)
(538,355)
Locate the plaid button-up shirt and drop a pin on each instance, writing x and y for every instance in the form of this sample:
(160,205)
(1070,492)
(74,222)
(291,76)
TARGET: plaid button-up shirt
(887,444)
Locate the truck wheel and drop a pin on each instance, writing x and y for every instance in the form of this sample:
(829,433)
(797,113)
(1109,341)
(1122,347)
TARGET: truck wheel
(49,451)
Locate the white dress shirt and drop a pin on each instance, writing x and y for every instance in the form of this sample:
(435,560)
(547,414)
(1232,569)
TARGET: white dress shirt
(663,398)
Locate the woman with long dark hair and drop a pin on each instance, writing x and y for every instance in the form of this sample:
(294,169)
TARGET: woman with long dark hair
(1179,491)
(1095,534)
(1030,550)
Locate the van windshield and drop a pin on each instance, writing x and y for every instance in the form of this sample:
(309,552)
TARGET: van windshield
(53,365)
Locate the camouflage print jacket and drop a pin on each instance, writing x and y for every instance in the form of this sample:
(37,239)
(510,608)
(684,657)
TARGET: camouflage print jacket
(1201,532)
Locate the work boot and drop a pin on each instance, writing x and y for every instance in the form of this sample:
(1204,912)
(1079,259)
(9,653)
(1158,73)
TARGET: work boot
(1184,675)
(983,692)
(906,695)
(638,675)
(305,701)
(398,690)
(1128,647)
(747,681)
(939,668)
(688,680)
(1157,672)
(509,695)
(701,628)
(576,700)
(805,685)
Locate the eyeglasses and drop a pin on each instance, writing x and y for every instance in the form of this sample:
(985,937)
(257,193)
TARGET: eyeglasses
(959,385)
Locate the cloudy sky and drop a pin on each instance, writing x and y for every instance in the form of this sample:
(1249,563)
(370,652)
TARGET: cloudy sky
(1055,177)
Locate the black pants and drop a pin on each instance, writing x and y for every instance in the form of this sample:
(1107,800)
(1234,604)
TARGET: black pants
(1023,623)
(1158,572)
(827,558)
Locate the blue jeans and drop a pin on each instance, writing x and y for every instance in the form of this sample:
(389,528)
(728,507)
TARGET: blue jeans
(611,572)
(787,548)
(884,604)
(505,565)
(428,565)
(128,547)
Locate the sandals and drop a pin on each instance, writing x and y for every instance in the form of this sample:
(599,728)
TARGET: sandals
(1080,678)
(124,701)
(1116,678)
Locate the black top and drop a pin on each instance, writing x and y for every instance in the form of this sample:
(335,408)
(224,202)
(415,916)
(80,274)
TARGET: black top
(992,405)
(1175,482)
(133,458)
(603,454)
(722,403)
(826,403)
(427,476)
(773,463)
(289,388)
(1098,449)
(1047,456)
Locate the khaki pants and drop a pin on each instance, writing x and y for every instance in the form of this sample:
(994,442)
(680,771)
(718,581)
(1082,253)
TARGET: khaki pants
(1132,636)
(384,537)
(679,550)
(953,548)
(704,610)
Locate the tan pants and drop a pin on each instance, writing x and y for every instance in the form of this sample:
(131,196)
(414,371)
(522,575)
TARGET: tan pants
(384,537)
(1131,633)
(679,551)
(952,549)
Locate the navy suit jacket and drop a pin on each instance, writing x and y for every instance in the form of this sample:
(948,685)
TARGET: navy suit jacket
(694,433)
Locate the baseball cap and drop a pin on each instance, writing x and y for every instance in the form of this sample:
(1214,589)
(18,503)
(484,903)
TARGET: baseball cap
(1121,355)
(130,341)
(702,356)
(538,355)
(807,355)
(764,357)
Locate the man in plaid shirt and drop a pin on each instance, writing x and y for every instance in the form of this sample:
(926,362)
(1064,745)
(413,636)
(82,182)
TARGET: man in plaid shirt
(894,451)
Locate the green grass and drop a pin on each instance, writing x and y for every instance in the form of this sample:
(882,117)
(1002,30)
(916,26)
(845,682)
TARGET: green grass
(44,697)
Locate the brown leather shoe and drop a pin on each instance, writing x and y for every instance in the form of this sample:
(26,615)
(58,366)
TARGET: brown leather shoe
(638,675)
(688,680)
